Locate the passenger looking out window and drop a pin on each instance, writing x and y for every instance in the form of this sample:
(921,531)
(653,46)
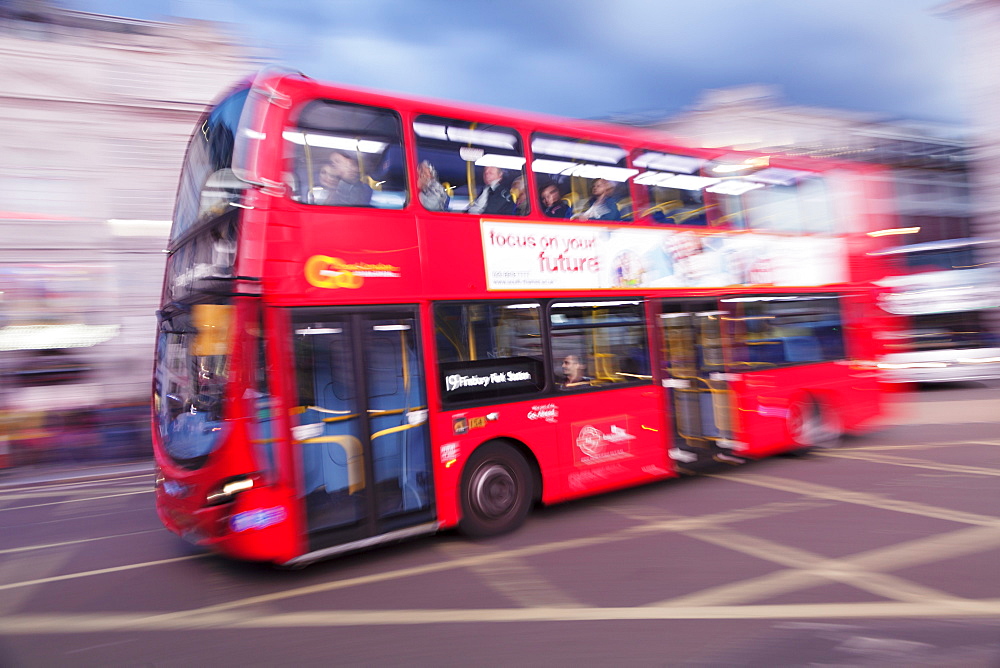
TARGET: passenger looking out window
(574,368)
(477,163)
(433,195)
(554,204)
(340,183)
(341,154)
(601,205)
(519,194)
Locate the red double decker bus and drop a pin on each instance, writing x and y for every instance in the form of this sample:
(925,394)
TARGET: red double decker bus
(386,316)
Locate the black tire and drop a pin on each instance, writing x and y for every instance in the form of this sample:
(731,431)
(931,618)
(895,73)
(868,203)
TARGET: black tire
(496,491)
(813,426)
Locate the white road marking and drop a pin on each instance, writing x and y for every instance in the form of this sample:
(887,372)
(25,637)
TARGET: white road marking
(89,498)
(910,462)
(860,498)
(514,579)
(99,571)
(97,622)
(46,546)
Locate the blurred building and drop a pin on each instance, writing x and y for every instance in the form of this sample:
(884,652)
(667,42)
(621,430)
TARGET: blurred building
(936,174)
(979,30)
(929,164)
(95,114)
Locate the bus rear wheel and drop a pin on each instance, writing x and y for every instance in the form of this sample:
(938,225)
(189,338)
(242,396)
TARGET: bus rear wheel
(813,426)
(496,491)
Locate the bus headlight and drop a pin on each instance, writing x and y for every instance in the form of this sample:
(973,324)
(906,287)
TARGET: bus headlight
(227,490)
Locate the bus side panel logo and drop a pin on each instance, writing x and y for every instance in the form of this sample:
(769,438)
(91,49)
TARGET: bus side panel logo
(324,271)
(599,441)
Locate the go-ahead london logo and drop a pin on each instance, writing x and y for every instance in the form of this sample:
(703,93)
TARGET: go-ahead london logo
(603,441)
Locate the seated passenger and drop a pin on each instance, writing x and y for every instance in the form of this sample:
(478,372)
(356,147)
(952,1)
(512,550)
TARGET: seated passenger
(340,183)
(555,207)
(519,194)
(327,179)
(573,368)
(494,198)
(601,206)
(432,194)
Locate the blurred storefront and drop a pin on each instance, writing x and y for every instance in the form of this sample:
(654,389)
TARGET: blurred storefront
(95,113)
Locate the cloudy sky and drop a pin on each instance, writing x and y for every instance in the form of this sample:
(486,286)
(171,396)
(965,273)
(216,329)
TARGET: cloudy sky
(594,58)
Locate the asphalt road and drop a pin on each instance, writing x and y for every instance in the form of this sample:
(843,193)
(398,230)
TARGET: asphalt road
(885,552)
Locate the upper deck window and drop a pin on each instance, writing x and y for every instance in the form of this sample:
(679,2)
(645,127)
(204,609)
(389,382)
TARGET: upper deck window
(470,167)
(208,185)
(674,188)
(772,199)
(342,154)
(581,179)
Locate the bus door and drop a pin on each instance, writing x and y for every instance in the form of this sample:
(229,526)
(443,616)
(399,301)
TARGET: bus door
(361,432)
(699,398)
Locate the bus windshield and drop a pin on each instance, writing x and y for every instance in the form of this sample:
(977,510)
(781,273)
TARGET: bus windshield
(192,370)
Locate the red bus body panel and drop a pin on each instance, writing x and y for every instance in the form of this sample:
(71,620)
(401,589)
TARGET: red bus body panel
(295,255)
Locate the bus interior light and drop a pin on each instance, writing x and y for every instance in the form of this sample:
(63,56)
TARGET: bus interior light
(502,161)
(471,153)
(678,181)
(583,170)
(667,162)
(733,187)
(610,155)
(334,142)
(596,304)
(490,138)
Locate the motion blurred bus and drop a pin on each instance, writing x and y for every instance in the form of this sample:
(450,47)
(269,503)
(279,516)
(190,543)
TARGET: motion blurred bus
(357,344)
(944,296)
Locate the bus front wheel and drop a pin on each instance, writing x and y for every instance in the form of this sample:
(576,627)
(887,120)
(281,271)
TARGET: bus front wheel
(496,491)
(813,425)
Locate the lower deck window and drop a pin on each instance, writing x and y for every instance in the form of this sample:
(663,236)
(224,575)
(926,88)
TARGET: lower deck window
(598,344)
(489,350)
(783,330)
